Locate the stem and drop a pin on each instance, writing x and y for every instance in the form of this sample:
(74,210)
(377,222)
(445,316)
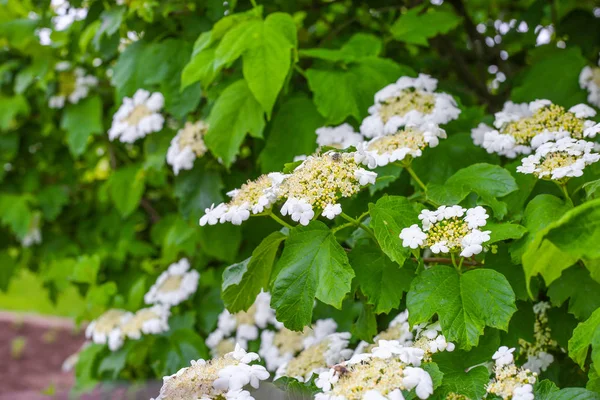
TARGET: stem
(415,177)
(563,189)
(460,264)
(359,224)
(363,215)
(280,221)
(453,260)
(300,70)
(343,226)
(254,5)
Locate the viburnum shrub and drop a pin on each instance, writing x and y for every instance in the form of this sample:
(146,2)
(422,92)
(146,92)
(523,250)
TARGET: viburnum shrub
(348,199)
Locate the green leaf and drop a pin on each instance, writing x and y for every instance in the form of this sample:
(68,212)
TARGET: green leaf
(582,291)
(488,181)
(197,189)
(201,67)
(359,46)
(501,261)
(86,367)
(574,394)
(501,232)
(268,59)
(86,269)
(176,350)
(313,265)
(235,113)
(126,187)
(389,216)
(416,26)
(15,213)
(560,66)
(80,121)
(111,22)
(7,269)
(10,108)
(235,42)
(544,389)
(380,279)
(52,199)
(340,93)
(464,303)
(114,362)
(221,241)
(242,282)
(365,326)
(586,335)
(292,133)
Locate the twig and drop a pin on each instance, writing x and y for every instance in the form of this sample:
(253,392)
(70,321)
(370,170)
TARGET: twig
(146,205)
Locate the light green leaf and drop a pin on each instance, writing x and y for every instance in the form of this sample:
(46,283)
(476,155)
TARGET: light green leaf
(201,67)
(80,121)
(380,279)
(389,216)
(502,232)
(586,335)
(488,181)
(416,26)
(242,282)
(87,365)
(465,304)
(86,269)
(359,46)
(235,113)
(111,22)
(126,187)
(10,108)
(292,133)
(313,265)
(235,42)
(268,59)
(15,213)
(591,189)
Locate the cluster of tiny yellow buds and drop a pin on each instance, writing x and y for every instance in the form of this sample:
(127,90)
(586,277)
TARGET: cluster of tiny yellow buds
(451,230)
(538,352)
(308,361)
(409,137)
(251,192)
(552,118)
(456,396)
(408,100)
(511,382)
(324,179)
(192,135)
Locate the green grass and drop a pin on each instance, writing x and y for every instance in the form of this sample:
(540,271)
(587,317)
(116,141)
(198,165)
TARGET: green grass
(26,293)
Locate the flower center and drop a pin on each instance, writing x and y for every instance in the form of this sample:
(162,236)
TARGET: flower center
(137,114)
(66,83)
(323,180)
(225,346)
(135,324)
(309,360)
(251,191)
(407,101)
(246,317)
(553,118)
(108,321)
(451,230)
(171,284)
(193,136)
(407,138)
(378,374)
(555,160)
(288,341)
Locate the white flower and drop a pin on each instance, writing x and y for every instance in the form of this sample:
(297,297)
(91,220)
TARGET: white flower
(186,146)
(340,137)
(365,177)
(583,111)
(503,356)
(589,79)
(539,362)
(478,133)
(472,242)
(137,117)
(236,214)
(106,328)
(476,217)
(299,210)
(440,247)
(72,85)
(174,285)
(213,214)
(412,236)
(238,395)
(326,379)
(418,379)
(524,392)
(332,210)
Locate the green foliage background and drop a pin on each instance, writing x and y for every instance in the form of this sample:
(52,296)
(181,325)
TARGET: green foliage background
(265,76)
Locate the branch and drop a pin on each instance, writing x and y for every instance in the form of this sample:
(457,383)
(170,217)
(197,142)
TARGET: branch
(146,205)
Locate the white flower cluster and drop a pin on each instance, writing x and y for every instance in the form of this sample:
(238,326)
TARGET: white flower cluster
(280,346)
(317,357)
(589,79)
(241,327)
(137,117)
(409,101)
(509,381)
(172,287)
(186,146)
(429,337)
(340,137)
(319,183)
(558,160)
(409,141)
(538,356)
(220,378)
(73,85)
(522,128)
(114,326)
(382,374)
(252,197)
(448,230)
(175,285)
(398,329)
